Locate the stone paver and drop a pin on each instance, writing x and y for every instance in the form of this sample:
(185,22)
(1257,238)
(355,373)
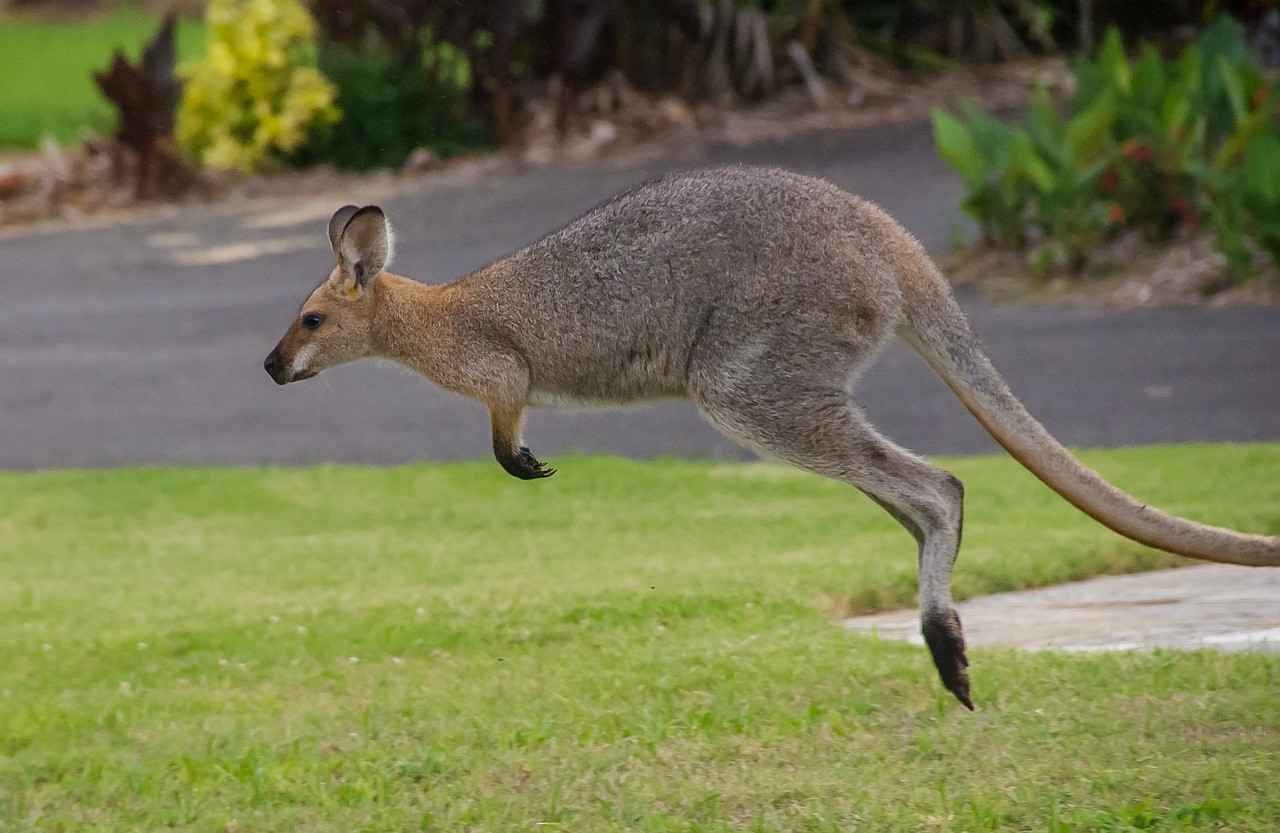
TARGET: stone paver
(1210,606)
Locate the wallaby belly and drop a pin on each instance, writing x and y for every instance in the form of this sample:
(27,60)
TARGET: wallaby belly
(610,374)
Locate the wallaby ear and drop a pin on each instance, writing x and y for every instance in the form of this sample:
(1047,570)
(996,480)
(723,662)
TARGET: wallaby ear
(364,245)
(338,222)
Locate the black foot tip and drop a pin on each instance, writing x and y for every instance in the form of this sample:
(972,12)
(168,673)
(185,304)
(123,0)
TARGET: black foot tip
(942,633)
(530,467)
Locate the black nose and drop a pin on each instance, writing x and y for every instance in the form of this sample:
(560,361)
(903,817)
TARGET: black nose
(272,365)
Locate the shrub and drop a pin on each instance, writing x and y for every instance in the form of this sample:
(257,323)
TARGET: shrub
(1145,144)
(257,94)
(392,102)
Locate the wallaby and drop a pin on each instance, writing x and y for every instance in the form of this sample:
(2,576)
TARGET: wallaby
(759,295)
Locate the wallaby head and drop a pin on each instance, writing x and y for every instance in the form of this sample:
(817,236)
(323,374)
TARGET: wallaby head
(335,324)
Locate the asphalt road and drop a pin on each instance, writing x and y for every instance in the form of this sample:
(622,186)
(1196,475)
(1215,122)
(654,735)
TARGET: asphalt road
(143,342)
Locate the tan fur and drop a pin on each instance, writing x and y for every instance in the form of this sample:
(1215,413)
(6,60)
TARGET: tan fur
(757,294)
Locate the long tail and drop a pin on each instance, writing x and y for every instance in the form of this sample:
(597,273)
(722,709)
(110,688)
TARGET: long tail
(935,326)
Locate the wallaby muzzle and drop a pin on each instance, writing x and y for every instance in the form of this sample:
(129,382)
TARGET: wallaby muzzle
(276,367)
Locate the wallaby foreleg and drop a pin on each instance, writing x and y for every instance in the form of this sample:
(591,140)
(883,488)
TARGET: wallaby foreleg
(508,443)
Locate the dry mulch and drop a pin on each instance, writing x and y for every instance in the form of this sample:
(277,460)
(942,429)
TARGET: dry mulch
(1125,273)
(77,187)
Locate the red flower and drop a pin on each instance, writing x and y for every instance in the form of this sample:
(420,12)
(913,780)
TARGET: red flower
(1136,152)
(1186,213)
(1115,213)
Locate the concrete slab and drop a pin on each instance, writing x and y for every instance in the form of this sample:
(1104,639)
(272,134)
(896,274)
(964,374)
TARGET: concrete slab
(1212,606)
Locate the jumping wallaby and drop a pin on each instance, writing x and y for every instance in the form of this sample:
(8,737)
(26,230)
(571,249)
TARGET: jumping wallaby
(759,295)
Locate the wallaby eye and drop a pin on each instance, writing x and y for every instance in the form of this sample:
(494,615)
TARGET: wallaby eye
(312,320)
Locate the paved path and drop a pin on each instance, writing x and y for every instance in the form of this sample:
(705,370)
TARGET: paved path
(143,342)
(1211,606)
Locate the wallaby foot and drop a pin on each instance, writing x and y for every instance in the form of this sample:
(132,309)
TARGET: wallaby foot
(942,633)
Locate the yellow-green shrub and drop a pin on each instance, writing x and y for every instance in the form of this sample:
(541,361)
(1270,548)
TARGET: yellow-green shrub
(257,93)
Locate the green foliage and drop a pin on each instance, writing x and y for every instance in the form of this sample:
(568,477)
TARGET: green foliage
(626,647)
(394,103)
(1143,144)
(257,94)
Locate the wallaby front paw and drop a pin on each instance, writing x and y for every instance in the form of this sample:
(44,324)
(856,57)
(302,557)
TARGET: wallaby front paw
(532,466)
(525,466)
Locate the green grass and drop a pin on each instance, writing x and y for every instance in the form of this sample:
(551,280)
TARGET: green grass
(639,646)
(46,88)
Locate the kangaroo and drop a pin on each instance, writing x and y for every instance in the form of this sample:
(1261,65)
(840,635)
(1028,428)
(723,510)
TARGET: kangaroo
(759,295)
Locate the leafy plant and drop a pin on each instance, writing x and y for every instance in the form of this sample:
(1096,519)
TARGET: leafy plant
(394,102)
(257,94)
(1141,144)
(982,150)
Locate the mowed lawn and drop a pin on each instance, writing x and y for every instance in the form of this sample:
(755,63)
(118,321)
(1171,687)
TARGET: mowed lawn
(46,86)
(627,646)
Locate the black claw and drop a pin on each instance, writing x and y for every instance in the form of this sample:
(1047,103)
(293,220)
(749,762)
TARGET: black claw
(524,465)
(945,639)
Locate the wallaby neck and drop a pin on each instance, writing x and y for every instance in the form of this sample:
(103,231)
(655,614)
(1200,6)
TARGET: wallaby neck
(410,323)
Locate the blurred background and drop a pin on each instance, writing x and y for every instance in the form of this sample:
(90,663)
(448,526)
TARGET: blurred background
(387,77)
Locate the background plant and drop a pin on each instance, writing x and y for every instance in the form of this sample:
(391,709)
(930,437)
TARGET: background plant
(257,94)
(1141,143)
(399,85)
(393,103)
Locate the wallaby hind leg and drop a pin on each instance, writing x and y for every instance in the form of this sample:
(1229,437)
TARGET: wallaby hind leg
(819,429)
